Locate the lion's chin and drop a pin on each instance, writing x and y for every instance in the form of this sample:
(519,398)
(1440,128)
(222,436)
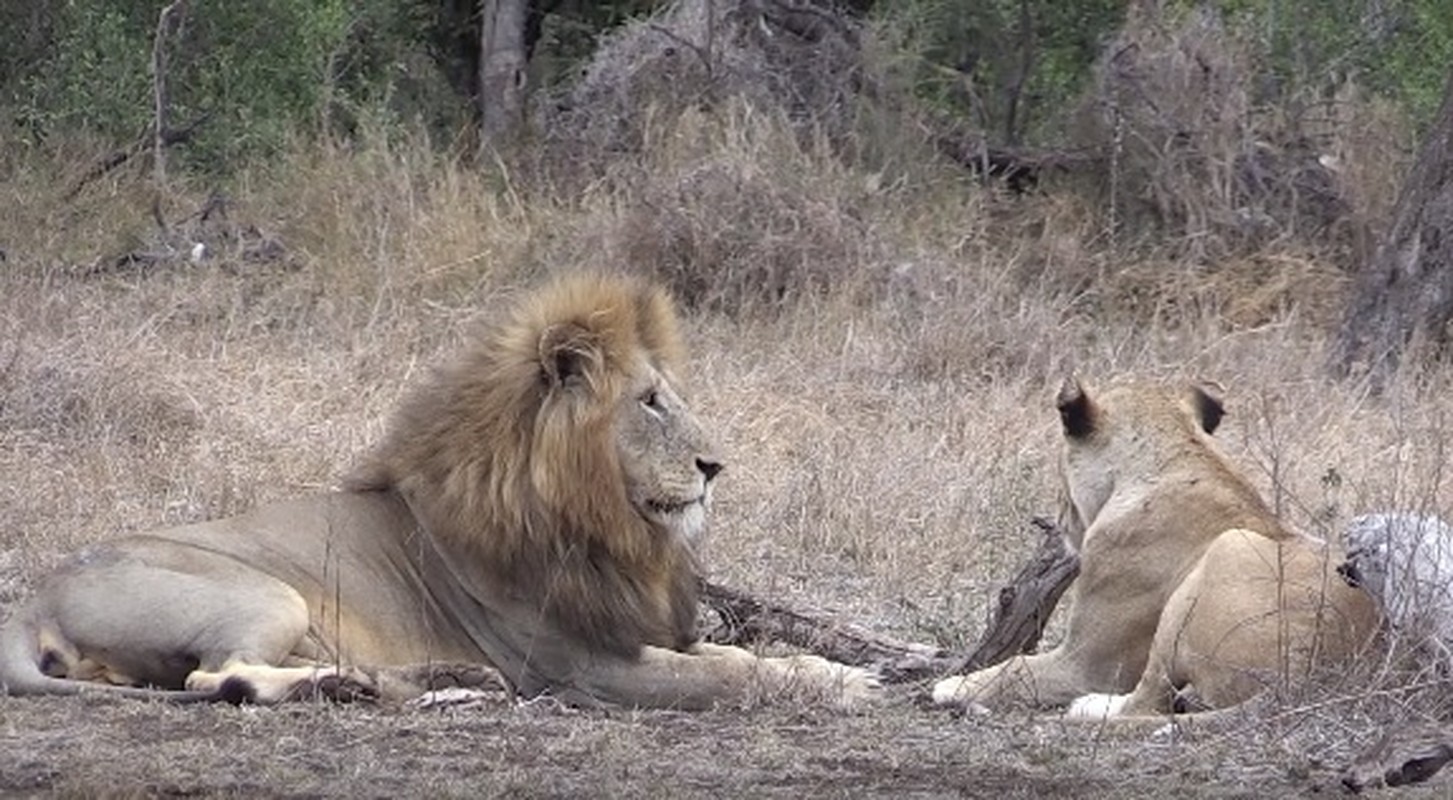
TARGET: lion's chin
(685,520)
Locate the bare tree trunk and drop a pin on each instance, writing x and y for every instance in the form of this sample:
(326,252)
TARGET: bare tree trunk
(171,20)
(1406,290)
(1014,92)
(502,62)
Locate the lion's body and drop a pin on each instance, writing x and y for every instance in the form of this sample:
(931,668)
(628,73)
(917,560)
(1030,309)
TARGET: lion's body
(533,508)
(1187,580)
(144,610)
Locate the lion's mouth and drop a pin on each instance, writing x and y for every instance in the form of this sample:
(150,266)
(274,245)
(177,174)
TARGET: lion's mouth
(669,507)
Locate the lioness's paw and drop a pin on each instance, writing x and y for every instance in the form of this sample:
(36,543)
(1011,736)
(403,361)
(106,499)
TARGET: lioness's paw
(953,691)
(1097,706)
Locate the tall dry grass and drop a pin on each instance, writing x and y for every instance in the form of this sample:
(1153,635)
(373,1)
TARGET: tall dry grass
(877,353)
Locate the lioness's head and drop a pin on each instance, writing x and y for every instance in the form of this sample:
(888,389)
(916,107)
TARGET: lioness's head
(559,452)
(1130,431)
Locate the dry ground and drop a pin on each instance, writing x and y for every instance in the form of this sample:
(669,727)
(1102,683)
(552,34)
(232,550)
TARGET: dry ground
(94,747)
(886,441)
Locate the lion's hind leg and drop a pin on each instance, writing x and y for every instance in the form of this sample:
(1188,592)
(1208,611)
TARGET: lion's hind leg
(155,613)
(242,681)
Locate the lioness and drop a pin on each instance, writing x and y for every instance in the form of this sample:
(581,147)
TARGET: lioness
(533,508)
(1187,581)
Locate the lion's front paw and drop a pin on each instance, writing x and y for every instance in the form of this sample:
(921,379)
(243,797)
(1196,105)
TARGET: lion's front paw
(856,685)
(846,685)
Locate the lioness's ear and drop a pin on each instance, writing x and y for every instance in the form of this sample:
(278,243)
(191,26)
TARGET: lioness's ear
(1206,400)
(1075,409)
(568,355)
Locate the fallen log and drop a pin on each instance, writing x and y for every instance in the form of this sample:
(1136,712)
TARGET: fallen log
(1019,168)
(1015,626)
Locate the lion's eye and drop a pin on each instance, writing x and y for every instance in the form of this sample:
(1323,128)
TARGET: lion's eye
(652,401)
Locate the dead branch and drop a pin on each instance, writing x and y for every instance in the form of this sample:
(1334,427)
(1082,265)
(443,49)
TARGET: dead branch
(1406,754)
(1024,606)
(120,156)
(206,235)
(746,619)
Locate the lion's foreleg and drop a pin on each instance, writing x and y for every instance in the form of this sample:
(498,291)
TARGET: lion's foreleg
(800,674)
(709,675)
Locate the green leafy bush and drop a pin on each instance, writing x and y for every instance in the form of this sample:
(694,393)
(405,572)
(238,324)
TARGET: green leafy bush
(260,72)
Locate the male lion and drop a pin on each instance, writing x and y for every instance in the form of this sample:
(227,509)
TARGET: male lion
(533,508)
(1187,581)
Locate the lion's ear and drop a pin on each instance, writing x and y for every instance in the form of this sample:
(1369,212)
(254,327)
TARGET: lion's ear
(1075,409)
(569,355)
(1206,400)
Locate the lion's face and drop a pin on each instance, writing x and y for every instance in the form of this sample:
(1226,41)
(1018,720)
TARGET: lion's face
(668,460)
(1127,432)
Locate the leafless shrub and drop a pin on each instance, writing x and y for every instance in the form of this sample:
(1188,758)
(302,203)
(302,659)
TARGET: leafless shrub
(799,58)
(728,231)
(1190,148)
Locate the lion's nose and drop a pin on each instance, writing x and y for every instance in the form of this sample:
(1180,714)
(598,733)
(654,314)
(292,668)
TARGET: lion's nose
(709,467)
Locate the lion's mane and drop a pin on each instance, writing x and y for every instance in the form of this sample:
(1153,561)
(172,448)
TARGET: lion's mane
(503,461)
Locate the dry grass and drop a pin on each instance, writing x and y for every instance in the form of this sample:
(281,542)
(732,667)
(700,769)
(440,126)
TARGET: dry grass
(886,420)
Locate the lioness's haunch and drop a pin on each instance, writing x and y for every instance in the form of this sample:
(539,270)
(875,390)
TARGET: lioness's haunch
(533,507)
(1188,586)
